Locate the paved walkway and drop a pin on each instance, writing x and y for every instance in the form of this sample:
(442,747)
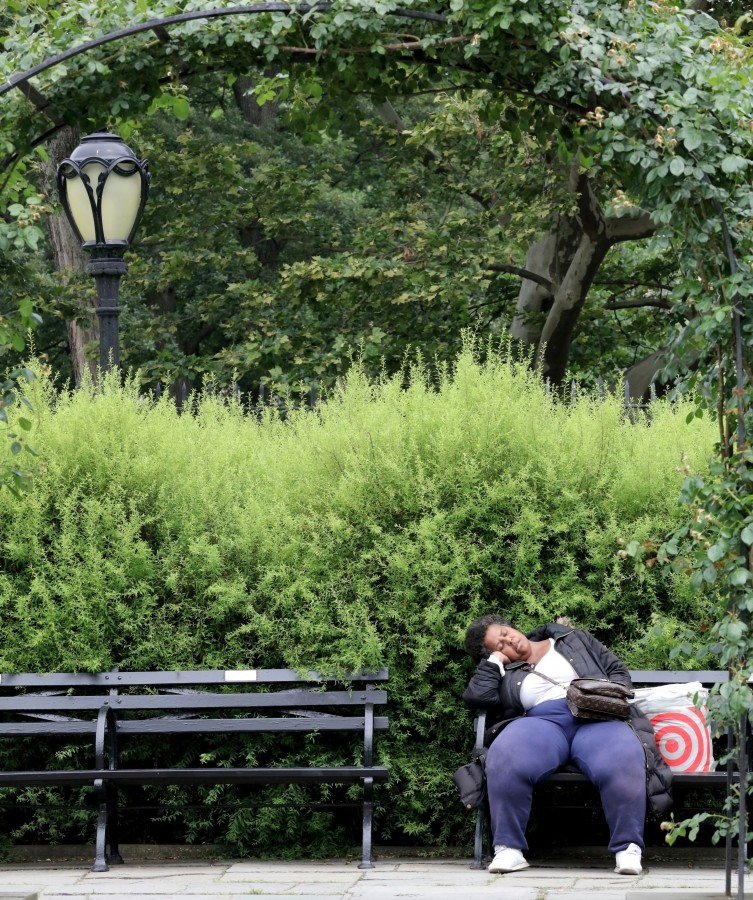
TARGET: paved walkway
(572,878)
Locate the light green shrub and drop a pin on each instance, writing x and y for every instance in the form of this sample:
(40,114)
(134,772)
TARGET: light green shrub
(366,533)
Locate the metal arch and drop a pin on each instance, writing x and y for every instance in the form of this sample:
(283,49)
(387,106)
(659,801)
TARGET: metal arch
(21,80)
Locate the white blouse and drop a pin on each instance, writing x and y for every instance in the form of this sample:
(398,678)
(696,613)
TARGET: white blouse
(535,689)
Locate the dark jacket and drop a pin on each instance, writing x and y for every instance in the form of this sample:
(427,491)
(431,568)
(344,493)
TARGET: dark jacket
(500,696)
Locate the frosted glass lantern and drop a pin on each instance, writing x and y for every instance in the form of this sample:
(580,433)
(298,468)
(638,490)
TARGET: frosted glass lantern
(103,188)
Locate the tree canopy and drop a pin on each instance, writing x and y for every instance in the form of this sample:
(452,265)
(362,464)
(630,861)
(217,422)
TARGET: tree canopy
(638,112)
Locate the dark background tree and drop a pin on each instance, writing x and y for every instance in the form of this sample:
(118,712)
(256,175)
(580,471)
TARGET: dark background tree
(317,245)
(330,228)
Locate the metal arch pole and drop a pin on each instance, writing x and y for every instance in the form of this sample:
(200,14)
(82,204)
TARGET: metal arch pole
(729,795)
(736,323)
(742,822)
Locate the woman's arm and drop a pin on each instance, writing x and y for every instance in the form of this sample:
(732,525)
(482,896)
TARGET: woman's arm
(485,687)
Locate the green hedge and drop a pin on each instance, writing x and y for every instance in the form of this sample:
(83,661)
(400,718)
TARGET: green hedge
(366,533)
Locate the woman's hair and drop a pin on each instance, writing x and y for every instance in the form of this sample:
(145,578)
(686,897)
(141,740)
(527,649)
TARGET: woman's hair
(476,632)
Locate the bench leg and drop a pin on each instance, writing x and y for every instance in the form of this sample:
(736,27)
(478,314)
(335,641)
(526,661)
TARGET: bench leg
(100,863)
(114,858)
(368,819)
(107,829)
(478,839)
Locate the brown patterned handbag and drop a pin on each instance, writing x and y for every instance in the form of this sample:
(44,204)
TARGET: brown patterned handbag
(598,698)
(595,699)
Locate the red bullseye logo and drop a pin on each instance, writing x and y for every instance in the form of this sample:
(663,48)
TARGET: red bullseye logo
(683,740)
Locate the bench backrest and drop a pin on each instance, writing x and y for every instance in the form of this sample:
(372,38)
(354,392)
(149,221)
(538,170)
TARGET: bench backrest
(707,677)
(248,700)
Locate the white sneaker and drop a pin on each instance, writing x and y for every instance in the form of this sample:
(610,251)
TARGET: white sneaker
(629,861)
(506,859)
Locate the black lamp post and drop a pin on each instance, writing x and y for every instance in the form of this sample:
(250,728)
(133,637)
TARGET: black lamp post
(103,188)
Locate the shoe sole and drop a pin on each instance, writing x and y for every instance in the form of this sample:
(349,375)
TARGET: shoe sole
(629,870)
(523,865)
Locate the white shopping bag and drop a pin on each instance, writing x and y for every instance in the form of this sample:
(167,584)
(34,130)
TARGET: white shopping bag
(680,724)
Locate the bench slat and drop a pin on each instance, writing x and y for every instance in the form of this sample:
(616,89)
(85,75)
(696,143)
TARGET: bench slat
(176,679)
(287,775)
(282,700)
(8,729)
(209,726)
(196,726)
(698,778)
(705,676)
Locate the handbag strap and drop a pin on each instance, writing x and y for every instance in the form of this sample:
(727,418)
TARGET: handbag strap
(558,683)
(566,686)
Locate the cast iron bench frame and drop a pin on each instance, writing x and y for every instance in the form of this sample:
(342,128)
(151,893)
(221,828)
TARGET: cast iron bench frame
(725,778)
(112,705)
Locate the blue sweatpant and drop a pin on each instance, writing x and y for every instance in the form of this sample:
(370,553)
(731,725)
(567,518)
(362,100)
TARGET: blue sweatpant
(609,754)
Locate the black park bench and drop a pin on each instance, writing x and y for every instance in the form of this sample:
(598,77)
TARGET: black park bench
(724,779)
(105,709)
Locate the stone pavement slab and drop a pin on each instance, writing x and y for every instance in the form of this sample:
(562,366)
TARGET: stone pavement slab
(681,895)
(570,877)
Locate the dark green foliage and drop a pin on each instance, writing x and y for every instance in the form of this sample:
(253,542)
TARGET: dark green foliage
(367,533)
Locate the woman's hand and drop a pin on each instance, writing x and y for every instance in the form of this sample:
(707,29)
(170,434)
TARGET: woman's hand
(498,654)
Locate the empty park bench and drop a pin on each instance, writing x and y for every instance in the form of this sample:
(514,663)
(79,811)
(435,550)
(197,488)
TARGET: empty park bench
(105,709)
(722,779)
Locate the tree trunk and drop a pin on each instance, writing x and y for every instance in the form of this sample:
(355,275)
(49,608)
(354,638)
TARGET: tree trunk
(253,235)
(569,257)
(69,257)
(551,257)
(261,116)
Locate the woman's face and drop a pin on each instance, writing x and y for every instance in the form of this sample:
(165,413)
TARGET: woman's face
(508,641)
